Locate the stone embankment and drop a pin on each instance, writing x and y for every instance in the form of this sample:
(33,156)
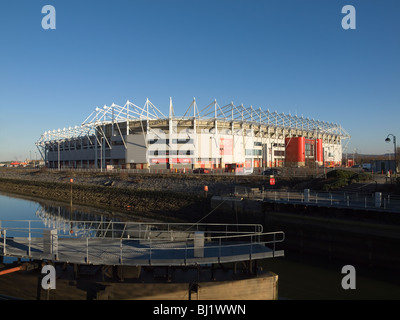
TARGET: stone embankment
(173,196)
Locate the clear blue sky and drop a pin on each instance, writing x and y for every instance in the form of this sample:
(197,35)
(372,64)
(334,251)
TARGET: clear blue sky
(284,55)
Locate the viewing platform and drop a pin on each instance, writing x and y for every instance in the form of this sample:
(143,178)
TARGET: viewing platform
(137,244)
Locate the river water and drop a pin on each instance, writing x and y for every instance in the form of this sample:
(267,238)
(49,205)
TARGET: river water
(300,276)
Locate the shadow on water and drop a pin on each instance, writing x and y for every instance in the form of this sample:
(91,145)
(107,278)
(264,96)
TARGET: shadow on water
(303,277)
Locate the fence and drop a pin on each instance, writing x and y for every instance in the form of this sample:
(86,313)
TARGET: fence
(376,200)
(257,171)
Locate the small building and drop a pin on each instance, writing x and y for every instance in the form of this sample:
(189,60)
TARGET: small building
(383,166)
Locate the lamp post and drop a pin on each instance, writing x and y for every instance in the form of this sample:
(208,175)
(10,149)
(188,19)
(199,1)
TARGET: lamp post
(395,155)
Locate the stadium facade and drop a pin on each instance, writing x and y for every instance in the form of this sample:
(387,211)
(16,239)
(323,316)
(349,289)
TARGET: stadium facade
(229,137)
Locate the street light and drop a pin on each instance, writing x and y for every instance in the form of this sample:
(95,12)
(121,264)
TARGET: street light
(395,155)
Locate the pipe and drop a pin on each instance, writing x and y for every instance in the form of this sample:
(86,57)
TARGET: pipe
(11,270)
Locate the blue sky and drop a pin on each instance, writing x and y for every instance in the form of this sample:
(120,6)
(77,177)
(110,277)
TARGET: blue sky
(286,55)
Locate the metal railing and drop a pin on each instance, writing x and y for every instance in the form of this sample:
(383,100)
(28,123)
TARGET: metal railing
(373,200)
(124,242)
(120,229)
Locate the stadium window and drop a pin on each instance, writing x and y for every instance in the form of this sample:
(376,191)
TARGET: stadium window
(279,153)
(309,148)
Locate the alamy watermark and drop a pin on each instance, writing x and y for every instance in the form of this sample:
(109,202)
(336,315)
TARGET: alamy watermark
(49,280)
(349,20)
(349,280)
(49,20)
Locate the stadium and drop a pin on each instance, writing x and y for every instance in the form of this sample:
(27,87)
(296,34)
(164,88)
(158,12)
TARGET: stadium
(228,138)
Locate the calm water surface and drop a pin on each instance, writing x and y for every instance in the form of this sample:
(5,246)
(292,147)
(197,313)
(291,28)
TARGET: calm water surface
(300,276)
(46,213)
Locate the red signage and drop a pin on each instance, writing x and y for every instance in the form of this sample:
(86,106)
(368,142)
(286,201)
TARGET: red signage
(271,181)
(225,146)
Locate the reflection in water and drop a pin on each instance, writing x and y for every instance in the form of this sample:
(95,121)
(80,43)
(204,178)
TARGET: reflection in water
(69,221)
(19,212)
(51,215)
(14,207)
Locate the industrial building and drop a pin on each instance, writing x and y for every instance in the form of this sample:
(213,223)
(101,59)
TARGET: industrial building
(231,138)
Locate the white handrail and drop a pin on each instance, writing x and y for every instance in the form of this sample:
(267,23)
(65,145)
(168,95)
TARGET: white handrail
(156,238)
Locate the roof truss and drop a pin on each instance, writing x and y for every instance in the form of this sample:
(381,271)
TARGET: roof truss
(116,114)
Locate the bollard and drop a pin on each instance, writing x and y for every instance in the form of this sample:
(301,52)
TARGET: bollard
(50,242)
(5,242)
(378,199)
(71,181)
(205,191)
(198,244)
(306,195)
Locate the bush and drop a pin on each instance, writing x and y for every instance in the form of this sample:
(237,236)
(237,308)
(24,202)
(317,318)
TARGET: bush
(362,176)
(335,184)
(341,178)
(339,174)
